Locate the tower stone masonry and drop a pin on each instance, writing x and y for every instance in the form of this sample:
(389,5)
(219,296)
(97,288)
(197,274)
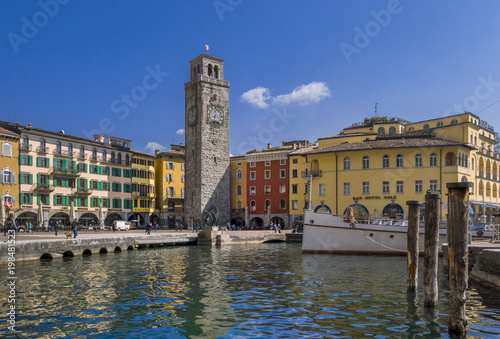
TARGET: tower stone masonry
(207,187)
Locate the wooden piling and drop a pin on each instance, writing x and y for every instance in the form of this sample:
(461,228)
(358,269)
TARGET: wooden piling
(412,244)
(431,248)
(458,254)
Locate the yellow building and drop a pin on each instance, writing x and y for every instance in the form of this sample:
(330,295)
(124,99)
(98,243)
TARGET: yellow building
(143,188)
(169,183)
(9,170)
(238,174)
(379,164)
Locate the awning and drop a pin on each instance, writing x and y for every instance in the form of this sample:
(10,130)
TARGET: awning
(471,210)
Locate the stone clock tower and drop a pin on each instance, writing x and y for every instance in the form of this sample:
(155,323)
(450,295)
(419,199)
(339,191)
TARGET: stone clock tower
(207,185)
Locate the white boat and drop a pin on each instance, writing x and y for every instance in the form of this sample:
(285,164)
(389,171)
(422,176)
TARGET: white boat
(325,233)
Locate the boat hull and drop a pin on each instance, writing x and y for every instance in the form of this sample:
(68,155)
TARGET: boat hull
(325,233)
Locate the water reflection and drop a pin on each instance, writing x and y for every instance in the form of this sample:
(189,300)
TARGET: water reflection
(266,290)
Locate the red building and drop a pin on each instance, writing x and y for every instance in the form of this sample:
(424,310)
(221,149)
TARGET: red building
(267,185)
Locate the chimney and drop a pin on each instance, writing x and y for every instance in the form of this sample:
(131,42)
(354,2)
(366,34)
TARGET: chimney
(269,146)
(157,151)
(30,125)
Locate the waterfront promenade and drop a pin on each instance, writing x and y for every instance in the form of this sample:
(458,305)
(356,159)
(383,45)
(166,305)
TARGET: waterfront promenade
(45,245)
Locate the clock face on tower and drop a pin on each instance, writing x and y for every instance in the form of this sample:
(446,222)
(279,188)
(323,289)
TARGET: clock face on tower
(215,115)
(192,116)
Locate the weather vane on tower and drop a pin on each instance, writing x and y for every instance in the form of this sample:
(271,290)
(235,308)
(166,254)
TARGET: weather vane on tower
(206,46)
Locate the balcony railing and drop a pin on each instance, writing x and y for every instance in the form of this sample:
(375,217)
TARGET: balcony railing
(41,187)
(25,147)
(65,171)
(143,195)
(82,190)
(238,211)
(42,149)
(94,158)
(81,156)
(315,174)
(62,153)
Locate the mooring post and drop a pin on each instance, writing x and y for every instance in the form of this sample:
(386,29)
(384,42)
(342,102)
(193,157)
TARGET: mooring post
(412,244)
(431,248)
(458,254)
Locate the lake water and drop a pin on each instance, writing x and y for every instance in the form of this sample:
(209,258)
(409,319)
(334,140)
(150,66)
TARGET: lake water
(244,291)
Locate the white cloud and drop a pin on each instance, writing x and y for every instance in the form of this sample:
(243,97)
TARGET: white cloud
(180,132)
(152,146)
(305,94)
(257,96)
(313,92)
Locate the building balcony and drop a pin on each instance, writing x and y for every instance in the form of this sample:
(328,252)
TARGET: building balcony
(143,195)
(238,211)
(315,174)
(25,147)
(81,156)
(40,187)
(94,158)
(61,153)
(69,172)
(82,191)
(40,149)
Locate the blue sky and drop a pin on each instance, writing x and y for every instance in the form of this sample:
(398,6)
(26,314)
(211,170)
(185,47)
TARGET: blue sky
(297,69)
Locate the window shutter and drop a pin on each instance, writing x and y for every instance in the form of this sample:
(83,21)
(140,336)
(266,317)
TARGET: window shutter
(65,200)
(65,163)
(55,199)
(54,162)
(37,161)
(47,180)
(38,198)
(30,160)
(31,179)
(65,182)
(85,168)
(47,162)
(119,187)
(1,177)
(86,183)
(38,178)
(13,177)
(21,195)
(20,159)
(108,186)
(21,179)
(31,198)
(13,200)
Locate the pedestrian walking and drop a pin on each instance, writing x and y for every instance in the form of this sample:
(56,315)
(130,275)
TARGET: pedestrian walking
(148,228)
(75,228)
(56,227)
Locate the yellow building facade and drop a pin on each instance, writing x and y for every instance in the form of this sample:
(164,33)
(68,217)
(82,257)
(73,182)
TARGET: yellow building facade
(379,164)
(143,188)
(169,183)
(9,171)
(238,175)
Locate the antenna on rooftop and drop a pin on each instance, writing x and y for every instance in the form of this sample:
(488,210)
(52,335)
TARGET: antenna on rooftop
(376,104)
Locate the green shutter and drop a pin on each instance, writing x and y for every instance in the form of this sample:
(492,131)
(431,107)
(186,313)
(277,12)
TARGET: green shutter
(47,162)
(30,160)
(55,199)
(21,180)
(31,198)
(20,159)
(54,162)
(38,178)
(31,179)
(65,163)
(64,182)
(47,180)
(37,161)
(21,195)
